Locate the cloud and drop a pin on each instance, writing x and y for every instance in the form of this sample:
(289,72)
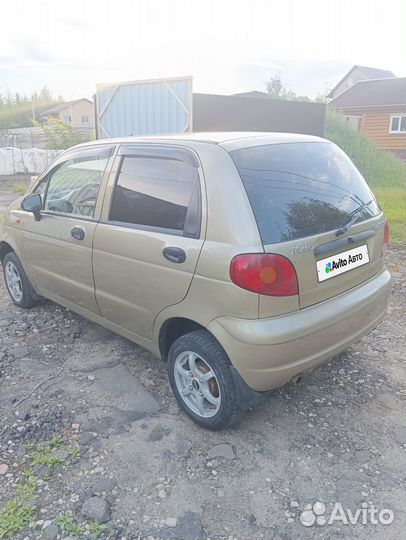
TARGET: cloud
(7,62)
(75,22)
(304,78)
(30,49)
(228,46)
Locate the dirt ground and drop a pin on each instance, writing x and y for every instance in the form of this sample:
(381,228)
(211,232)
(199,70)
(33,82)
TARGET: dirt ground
(337,437)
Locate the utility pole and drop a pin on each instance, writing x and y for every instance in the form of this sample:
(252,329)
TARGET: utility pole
(33,108)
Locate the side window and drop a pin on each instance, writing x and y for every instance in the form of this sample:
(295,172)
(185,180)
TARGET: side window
(41,188)
(73,187)
(157,192)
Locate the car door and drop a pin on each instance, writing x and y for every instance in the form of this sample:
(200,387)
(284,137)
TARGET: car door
(147,244)
(58,247)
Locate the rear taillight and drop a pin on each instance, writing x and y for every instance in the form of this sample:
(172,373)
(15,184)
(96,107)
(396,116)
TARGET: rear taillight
(386,237)
(264,273)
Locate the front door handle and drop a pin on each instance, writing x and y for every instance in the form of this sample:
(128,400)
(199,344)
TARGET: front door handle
(174,254)
(78,233)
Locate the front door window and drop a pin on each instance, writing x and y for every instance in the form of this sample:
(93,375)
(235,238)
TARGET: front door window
(74,186)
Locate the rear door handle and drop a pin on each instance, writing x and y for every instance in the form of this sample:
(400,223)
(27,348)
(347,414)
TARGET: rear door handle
(174,254)
(78,233)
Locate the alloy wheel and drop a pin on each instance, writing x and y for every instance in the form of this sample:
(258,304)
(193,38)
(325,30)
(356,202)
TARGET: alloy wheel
(14,282)
(197,384)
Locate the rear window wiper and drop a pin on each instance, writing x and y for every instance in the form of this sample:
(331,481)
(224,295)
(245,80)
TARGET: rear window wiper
(344,228)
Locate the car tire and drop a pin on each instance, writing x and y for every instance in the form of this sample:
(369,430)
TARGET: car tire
(201,380)
(19,287)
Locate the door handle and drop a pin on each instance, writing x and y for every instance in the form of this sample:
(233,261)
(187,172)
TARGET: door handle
(78,233)
(174,254)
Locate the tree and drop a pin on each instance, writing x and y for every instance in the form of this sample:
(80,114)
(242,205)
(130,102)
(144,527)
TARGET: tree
(277,89)
(321,97)
(45,95)
(60,135)
(16,110)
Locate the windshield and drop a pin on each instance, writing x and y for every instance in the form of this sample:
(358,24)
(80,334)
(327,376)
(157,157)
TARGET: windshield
(301,189)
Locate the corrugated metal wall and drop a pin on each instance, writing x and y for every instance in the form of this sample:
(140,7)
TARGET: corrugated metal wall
(165,106)
(239,113)
(144,107)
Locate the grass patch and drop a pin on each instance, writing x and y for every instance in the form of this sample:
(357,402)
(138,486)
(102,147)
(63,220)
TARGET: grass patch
(384,173)
(97,530)
(70,526)
(28,490)
(20,511)
(392,200)
(14,516)
(74,453)
(44,453)
(20,189)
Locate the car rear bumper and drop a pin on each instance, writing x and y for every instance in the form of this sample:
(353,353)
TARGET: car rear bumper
(269,352)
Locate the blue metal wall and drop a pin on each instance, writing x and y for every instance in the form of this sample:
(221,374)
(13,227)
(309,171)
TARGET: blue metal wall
(144,108)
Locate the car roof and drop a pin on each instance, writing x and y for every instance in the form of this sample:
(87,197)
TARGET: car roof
(228,139)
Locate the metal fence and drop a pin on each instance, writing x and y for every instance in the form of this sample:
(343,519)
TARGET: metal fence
(34,137)
(30,150)
(23,138)
(213,112)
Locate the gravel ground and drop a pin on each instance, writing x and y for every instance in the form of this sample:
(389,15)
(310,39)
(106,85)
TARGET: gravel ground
(126,455)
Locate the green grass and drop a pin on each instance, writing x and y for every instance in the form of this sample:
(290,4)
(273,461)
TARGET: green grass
(392,200)
(69,525)
(20,511)
(28,490)
(20,189)
(97,529)
(43,453)
(74,453)
(14,516)
(384,173)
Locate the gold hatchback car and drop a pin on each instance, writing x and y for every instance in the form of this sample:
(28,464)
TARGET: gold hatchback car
(242,259)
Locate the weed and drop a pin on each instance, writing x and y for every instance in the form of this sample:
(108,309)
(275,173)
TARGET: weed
(68,525)
(43,453)
(96,529)
(74,453)
(19,512)
(15,515)
(28,490)
(20,189)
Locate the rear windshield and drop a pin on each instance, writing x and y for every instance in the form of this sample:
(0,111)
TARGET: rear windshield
(301,189)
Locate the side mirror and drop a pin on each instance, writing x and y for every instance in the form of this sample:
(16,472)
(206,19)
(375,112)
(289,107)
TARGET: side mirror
(33,203)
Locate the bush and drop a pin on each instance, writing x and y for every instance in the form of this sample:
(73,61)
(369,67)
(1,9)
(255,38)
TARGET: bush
(60,135)
(383,172)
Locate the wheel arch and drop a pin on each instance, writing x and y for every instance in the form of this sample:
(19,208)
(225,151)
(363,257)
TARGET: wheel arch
(5,248)
(174,328)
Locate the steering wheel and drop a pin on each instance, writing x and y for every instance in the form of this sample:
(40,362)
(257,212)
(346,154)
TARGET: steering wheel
(81,198)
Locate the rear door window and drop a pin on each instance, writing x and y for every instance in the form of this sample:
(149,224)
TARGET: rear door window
(157,192)
(302,189)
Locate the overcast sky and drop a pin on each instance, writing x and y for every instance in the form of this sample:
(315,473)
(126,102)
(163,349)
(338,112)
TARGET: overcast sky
(227,45)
